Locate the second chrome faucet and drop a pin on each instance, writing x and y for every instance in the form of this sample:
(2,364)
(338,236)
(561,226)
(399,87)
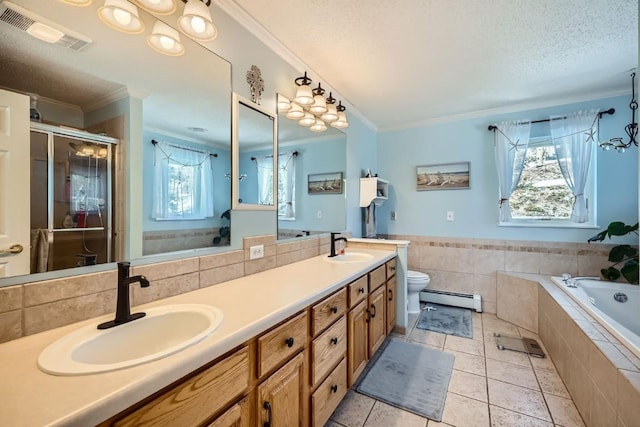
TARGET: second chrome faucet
(123,304)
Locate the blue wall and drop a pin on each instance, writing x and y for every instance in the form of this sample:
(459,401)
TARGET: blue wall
(476,209)
(221,191)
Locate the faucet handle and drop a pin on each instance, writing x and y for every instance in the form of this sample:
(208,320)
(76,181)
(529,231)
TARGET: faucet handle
(566,277)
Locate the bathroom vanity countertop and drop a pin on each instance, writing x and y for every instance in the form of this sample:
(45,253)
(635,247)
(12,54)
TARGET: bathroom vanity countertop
(251,304)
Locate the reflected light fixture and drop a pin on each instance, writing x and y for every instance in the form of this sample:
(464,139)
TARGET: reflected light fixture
(318,126)
(160,7)
(77,2)
(295,112)
(165,40)
(122,16)
(632,128)
(196,20)
(304,95)
(284,104)
(332,112)
(308,120)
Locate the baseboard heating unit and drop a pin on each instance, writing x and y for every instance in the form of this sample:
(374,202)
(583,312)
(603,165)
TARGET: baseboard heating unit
(452,298)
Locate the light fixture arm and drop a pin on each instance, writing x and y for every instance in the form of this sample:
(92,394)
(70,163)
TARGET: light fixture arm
(300,81)
(632,128)
(206,2)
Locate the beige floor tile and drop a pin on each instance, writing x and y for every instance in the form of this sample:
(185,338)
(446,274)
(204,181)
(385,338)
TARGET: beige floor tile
(469,363)
(434,339)
(437,424)
(332,424)
(543,363)
(504,418)
(499,326)
(468,385)
(464,345)
(353,410)
(462,411)
(383,415)
(518,399)
(478,334)
(517,358)
(512,374)
(551,383)
(564,412)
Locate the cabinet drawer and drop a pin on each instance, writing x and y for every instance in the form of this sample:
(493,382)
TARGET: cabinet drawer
(239,415)
(328,349)
(327,311)
(391,268)
(198,398)
(281,343)
(358,291)
(377,278)
(327,397)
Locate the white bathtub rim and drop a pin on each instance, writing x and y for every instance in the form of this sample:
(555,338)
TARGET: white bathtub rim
(630,340)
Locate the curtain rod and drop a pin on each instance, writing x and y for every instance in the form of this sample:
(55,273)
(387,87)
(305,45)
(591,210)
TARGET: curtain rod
(295,153)
(600,114)
(154,142)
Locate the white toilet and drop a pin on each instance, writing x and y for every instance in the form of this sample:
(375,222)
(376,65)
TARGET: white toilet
(416,281)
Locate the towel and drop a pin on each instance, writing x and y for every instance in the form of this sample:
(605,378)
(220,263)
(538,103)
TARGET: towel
(39,250)
(370,215)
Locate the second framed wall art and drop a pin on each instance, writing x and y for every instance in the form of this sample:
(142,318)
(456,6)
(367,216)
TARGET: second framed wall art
(447,176)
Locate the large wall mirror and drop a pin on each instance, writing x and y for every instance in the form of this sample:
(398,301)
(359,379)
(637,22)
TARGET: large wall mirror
(255,132)
(312,171)
(171,120)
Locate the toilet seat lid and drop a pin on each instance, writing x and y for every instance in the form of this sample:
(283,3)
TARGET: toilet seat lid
(417,275)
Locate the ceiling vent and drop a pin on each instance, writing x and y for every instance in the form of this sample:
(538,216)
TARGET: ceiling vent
(26,21)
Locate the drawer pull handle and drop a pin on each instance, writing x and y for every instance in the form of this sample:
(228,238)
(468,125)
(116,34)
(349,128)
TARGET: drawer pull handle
(373,306)
(393,268)
(361,290)
(334,388)
(390,294)
(267,406)
(334,341)
(334,309)
(289,342)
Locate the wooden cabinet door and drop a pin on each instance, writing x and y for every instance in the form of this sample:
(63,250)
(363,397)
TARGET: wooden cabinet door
(239,415)
(391,303)
(358,337)
(377,324)
(281,396)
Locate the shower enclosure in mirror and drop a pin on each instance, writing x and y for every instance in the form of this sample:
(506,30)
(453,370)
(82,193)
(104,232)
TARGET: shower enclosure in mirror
(71,198)
(114,84)
(303,153)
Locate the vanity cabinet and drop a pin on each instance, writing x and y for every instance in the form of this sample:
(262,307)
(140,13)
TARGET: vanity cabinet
(239,415)
(377,324)
(391,288)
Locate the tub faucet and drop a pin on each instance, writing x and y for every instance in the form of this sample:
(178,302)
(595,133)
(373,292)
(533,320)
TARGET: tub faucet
(571,282)
(123,304)
(335,239)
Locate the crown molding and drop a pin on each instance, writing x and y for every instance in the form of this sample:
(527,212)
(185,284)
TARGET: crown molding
(245,19)
(115,96)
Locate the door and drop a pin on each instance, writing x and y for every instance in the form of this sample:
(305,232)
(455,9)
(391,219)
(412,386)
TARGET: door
(280,397)
(14,184)
(377,325)
(358,354)
(239,415)
(391,304)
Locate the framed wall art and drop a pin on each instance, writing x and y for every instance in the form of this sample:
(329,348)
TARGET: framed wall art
(325,183)
(446,176)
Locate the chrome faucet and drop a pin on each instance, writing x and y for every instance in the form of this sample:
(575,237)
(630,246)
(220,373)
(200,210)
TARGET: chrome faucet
(123,305)
(571,282)
(335,239)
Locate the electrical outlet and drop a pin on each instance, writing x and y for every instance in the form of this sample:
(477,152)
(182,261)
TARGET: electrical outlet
(319,214)
(256,252)
(394,215)
(449,215)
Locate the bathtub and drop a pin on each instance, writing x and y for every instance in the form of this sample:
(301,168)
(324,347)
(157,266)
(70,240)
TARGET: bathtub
(616,306)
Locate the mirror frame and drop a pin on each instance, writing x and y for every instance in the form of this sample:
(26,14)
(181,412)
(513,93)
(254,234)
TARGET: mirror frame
(238,100)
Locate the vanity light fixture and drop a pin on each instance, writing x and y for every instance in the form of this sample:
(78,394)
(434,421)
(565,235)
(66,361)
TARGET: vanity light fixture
(341,122)
(122,16)
(284,104)
(319,105)
(308,120)
(332,112)
(318,126)
(295,112)
(196,20)
(160,7)
(304,95)
(631,128)
(165,40)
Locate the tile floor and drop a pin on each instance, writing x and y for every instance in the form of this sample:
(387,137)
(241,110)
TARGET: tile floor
(488,387)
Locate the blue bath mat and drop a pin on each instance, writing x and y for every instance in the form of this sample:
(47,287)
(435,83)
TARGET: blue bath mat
(409,376)
(447,320)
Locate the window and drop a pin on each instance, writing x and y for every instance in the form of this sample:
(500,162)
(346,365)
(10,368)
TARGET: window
(542,193)
(183,180)
(286,183)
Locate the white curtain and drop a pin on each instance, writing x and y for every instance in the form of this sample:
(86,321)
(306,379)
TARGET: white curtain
(184,195)
(265,180)
(286,180)
(574,138)
(510,145)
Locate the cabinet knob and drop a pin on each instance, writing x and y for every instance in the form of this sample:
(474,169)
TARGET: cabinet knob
(289,342)
(334,340)
(334,309)
(361,290)
(334,388)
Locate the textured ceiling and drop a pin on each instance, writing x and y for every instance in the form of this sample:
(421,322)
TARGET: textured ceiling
(402,62)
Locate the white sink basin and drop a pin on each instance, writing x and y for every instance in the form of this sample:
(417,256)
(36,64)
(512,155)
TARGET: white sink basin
(350,257)
(163,331)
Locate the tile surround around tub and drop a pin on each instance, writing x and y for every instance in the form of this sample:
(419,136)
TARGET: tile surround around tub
(471,265)
(39,306)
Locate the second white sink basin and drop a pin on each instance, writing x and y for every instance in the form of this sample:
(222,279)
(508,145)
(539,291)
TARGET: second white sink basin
(163,331)
(350,257)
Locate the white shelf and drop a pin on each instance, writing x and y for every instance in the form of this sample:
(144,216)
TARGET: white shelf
(374,190)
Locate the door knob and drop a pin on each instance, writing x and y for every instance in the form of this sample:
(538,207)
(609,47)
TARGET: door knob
(13,250)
